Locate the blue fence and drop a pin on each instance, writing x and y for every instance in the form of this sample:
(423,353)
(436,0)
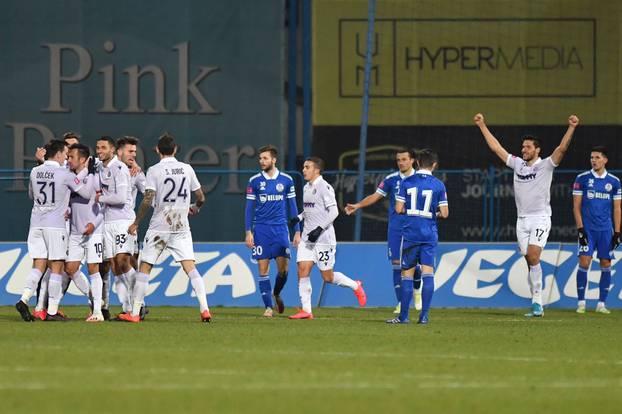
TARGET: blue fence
(468,275)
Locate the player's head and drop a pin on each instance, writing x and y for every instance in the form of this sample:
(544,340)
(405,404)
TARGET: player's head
(78,154)
(427,159)
(105,148)
(126,150)
(598,158)
(71,138)
(530,147)
(55,151)
(405,159)
(267,158)
(312,168)
(166,145)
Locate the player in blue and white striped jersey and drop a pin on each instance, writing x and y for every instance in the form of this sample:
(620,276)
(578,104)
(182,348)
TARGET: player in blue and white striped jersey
(270,203)
(596,198)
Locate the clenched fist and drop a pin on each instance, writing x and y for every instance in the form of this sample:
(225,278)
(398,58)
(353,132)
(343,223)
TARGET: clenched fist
(478,119)
(573,121)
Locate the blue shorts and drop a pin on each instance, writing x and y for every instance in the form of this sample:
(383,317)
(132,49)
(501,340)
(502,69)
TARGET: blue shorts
(418,253)
(599,241)
(394,244)
(271,241)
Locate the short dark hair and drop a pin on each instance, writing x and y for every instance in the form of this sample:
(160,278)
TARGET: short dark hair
(268,148)
(53,147)
(83,150)
(536,141)
(166,144)
(126,140)
(600,148)
(107,139)
(410,151)
(69,135)
(319,163)
(427,158)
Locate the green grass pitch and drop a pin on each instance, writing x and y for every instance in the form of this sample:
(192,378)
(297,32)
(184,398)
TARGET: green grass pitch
(344,361)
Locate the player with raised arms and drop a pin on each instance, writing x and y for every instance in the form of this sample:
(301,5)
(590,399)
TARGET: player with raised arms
(532,193)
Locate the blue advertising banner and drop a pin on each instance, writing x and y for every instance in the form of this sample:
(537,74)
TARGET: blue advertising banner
(468,275)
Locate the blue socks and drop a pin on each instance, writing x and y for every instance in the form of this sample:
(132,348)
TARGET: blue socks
(279,282)
(605,283)
(417,278)
(426,293)
(397,281)
(266,290)
(582,282)
(407,295)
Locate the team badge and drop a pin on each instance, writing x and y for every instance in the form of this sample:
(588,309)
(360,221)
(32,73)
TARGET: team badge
(280,187)
(608,186)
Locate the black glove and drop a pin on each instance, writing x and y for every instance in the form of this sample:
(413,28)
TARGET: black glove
(582,236)
(314,234)
(294,220)
(615,241)
(91,166)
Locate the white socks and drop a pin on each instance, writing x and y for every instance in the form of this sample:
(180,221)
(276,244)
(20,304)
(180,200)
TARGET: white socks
(340,279)
(140,289)
(31,285)
(199,288)
(55,290)
(81,282)
(305,290)
(535,282)
(96,288)
(122,293)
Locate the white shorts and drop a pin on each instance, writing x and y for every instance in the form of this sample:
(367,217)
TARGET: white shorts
(323,255)
(532,230)
(178,244)
(86,247)
(50,244)
(117,239)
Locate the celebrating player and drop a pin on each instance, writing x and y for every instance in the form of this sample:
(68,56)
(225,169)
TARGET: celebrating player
(49,188)
(532,192)
(270,195)
(596,198)
(116,198)
(319,244)
(405,159)
(168,188)
(419,198)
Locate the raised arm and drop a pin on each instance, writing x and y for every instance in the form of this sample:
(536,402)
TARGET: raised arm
(561,149)
(367,201)
(492,142)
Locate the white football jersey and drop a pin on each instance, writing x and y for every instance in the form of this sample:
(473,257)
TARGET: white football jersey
(86,210)
(317,197)
(532,185)
(137,183)
(50,187)
(173,182)
(116,191)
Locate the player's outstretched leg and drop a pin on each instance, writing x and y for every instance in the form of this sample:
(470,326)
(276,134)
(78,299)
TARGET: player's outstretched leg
(342,280)
(581,286)
(603,287)
(427,291)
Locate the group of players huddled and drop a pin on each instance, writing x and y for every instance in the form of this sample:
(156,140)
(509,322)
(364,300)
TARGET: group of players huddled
(97,197)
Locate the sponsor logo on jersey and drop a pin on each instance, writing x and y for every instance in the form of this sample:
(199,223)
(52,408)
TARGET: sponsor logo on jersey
(591,194)
(270,197)
(280,187)
(308,205)
(526,177)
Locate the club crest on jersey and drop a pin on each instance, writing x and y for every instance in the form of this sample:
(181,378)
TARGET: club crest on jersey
(608,186)
(280,187)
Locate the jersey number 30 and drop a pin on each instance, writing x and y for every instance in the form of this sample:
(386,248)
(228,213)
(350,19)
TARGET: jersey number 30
(413,211)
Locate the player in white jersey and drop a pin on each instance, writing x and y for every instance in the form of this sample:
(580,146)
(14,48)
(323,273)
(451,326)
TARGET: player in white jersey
(50,187)
(85,239)
(116,198)
(168,189)
(532,193)
(319,244)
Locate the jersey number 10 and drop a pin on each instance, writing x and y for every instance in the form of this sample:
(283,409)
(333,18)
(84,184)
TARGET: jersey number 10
(413,211)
